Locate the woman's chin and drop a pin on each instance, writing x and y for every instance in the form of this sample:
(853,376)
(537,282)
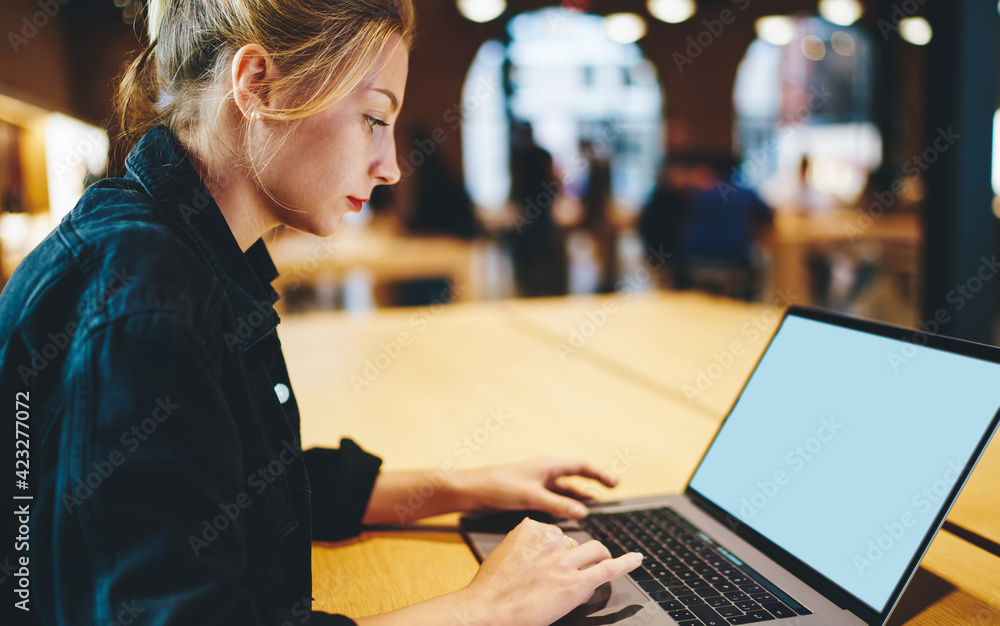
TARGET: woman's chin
(324,228)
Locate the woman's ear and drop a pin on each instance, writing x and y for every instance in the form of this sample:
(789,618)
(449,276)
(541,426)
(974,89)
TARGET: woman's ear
(253,72)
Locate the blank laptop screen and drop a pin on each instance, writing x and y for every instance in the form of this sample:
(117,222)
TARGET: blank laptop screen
(844,445)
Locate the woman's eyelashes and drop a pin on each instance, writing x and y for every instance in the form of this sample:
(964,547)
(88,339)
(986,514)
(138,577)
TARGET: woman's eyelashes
(373,122)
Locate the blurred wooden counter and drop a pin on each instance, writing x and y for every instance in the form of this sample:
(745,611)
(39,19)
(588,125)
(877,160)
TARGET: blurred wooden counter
(303,259)
(893,238)
(474,384)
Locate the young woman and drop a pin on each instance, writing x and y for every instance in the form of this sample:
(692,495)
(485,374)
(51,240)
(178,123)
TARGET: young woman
(169,482)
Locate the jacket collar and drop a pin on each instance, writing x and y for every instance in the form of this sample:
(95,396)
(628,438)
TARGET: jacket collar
(161,166)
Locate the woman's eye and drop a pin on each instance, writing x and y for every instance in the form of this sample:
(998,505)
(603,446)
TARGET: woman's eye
(373,122)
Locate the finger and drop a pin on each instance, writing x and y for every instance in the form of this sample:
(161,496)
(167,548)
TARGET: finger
(588,553)
(610,569)
(557,505)
(577,493)
(576,467)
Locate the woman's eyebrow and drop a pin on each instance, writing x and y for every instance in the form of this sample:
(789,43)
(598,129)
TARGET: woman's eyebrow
(392,97)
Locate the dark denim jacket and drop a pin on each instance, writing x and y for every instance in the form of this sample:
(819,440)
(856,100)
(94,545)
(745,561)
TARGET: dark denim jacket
(168,480)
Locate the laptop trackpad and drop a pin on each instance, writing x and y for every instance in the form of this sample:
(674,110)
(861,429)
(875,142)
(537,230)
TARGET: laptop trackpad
(617,602)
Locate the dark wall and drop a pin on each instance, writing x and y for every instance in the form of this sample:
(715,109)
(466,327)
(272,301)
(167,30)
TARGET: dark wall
(63,54)
(72,63)
(34,60)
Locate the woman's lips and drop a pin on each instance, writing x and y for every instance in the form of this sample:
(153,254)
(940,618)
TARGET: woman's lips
(357,203)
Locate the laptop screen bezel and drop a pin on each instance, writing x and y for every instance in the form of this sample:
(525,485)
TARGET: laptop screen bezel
(834,592)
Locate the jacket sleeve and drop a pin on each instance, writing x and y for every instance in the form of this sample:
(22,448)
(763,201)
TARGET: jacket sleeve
(342,481)
(150,402)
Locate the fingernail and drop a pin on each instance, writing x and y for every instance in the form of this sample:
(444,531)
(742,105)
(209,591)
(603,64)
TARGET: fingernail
(639,556)
(578,511)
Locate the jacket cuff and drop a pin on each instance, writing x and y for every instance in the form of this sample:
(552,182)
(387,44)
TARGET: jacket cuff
(342,481)
(318,618)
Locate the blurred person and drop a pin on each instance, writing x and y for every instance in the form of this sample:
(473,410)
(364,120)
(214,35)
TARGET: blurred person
(662,219)
(441,207)
(722,225)
(537,242)
(598,219)
(156,287)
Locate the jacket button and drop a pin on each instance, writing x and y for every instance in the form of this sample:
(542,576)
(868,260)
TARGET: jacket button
(282,391)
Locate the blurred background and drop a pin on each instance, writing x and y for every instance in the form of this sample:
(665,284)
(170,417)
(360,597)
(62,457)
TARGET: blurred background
(828,152)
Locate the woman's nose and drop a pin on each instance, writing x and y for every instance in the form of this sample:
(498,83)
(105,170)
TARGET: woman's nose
(385,168)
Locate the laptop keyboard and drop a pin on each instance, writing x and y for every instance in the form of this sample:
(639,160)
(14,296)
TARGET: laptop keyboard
(695,580)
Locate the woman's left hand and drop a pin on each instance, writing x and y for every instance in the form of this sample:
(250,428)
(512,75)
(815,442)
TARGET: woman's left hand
(529,485)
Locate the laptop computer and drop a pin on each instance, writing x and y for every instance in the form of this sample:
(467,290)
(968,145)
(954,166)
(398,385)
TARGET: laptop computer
(820,493)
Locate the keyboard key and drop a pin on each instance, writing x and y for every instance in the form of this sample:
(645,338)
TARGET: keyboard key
(696,583)
(693,622)
(778,609)
(736,596)
(751,588)
(763,597)
(728,611)
(718,601)
(671,605)
(708,616)
(661,596)
(679,590)
(708,592)
(752,618)
(740,579)
(651,585)
(690,600)
(747,606)
(726,587)
(679,616)
(640,574)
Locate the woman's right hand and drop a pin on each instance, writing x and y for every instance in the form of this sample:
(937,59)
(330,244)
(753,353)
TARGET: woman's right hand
(537,575)
(534,577)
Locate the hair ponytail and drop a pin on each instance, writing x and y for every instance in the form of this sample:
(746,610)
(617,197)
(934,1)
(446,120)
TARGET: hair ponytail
(135,102)
(155,9)
(135,99)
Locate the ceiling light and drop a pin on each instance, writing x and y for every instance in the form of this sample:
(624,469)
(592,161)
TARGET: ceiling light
(481,10)
(671,11)
(915,30)
(625,27)
(841,12)
(776,29)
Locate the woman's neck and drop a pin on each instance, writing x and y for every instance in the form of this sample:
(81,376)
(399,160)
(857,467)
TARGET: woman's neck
(234,191)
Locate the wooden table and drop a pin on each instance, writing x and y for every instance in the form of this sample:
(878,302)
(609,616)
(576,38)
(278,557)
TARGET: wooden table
(303,259)
(423,398)
(797,234)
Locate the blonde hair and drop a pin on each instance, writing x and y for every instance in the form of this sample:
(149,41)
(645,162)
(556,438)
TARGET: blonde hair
(323,49)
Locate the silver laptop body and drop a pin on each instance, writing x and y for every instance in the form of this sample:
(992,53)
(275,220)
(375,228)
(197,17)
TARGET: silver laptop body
(831,474)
